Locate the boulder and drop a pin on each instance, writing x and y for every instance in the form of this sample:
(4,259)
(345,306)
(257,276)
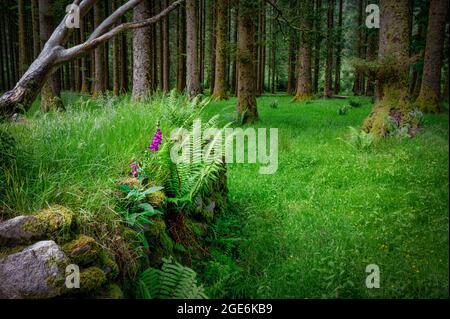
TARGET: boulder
(38,271)
(53,222)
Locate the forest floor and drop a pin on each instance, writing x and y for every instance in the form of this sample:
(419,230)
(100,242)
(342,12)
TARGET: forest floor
(307,231)
(310,229)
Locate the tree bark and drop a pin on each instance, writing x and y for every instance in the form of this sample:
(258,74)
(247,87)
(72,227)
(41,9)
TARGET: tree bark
(22,44)
(317,44)
(220,87)
(212,58)
(181,64)
(430,91)
(192,70)
(142,72)
(35,27)
(50,94)
(166,52)
(304,79)
(246,101)
(372,52)
(116,57)
(393,93)
(337,77)
(328,88)
(99,55)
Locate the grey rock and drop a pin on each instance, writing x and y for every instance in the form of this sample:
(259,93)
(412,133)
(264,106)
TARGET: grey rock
(38,271)
(13,232)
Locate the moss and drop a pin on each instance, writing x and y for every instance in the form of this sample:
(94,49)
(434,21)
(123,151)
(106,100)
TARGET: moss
(54,221)
(428,101)
(6,251)
(110,267)
(157,199)
(113,291)
(82,251)
(91,280)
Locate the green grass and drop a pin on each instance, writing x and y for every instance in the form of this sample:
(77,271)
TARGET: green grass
(307,231)
(311,229)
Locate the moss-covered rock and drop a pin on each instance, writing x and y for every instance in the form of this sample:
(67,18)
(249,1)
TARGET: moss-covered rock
(83,251)
(157,199)
(91,280)
(54,222)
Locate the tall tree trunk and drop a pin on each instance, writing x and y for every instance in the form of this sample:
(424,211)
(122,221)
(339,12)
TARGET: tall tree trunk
(234,55)
(181,64)
(116,57)
(84,62)
(35,27)
(304,79)
(50,93)
(192,70)
(166,51)
(212,27)
(372,52)
(22,45)
(124,87)
(220,90)
(317,44)
(430,92)
(246,101)
(142,73)
(291,65)
(99,54)
(393,103)
(359,75)
(328,87)
(337,77)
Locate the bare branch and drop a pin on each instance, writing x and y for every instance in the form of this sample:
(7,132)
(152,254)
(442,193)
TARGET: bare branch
(113,18)
(71,53)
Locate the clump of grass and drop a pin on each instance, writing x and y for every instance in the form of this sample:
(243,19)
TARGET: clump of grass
(273,104)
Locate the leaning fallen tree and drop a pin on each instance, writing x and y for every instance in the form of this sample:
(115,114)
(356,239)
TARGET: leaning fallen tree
(54,54)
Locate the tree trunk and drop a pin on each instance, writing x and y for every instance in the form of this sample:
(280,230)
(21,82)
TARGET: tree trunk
(328,88)
(181,64)
(166,51)
(22,44)
(142,60)
(430,91)
(337,77)
(234,55)
(304,79)
(291,65)
(359,75)
(246,101)
(372,52)
(99,55)
(393,104)
(317,44)
(193,77)
(116,57)
(212,59)
(220,90)
(35,27)
(51,99)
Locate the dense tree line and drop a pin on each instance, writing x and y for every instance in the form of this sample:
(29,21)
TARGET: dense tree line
(306,48)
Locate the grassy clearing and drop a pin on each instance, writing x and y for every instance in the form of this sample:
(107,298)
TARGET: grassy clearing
(307,231)
(311,229)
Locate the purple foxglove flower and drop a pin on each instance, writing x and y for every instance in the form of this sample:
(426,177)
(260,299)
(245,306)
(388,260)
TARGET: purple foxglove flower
(157,140)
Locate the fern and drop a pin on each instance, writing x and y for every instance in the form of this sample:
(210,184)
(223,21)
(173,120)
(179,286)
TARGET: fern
(173,281)
(190,178)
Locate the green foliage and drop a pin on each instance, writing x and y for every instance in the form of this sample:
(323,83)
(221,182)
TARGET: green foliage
(343,110)
(273,104)
(138,212)
(192,176)
(360,139)
(173,281)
